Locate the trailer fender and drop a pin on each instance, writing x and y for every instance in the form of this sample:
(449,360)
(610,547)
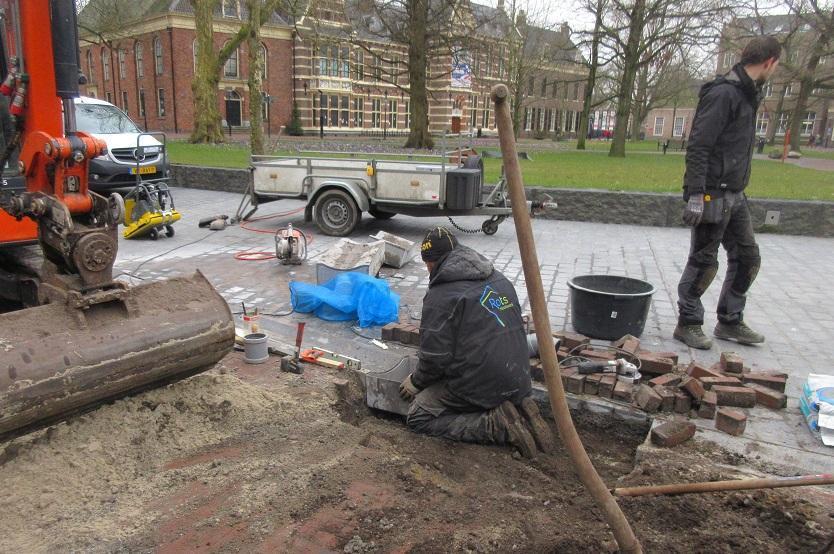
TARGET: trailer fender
(356,192)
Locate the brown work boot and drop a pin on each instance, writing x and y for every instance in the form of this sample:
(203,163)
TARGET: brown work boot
(506,417)
(541,430)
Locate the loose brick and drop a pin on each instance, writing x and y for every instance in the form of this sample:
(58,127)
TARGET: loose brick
(628,343)
(565,372)
(598,355)
(667,396)
(731,362)
(401,334)
(670,355)
(606,385)
(647,398)
(562,354)
(414,336)
(707,406)
(769,398)
(571,340)
(672,433)
(623,392)
(710,382)
(592,383)
(693,387)
(683,402)
(773,381)
(389,331)
(668,380)
(730,421)
(575,383)
(740,397)
(698,371)
(652,364)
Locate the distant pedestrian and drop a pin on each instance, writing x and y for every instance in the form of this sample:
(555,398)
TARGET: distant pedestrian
(718,162)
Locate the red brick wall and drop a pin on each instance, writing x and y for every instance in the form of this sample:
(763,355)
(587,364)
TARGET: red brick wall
(177,75)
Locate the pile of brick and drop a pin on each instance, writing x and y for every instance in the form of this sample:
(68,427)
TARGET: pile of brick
(402,332)
(715,392)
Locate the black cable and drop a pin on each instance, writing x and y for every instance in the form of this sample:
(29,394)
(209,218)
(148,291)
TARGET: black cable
(136,270)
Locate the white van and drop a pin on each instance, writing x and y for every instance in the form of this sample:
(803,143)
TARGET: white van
(118,167)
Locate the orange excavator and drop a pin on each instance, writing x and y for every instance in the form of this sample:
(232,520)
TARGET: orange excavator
(79,337)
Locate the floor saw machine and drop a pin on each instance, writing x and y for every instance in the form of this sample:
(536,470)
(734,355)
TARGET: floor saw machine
(81,337)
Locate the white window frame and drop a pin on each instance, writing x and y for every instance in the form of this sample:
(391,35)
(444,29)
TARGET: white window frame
(157,55)
(232,62)
(768,89)
(678,131)
(784,122)
(140,60)
(122,56)
(662,121)
(231,8)
(124,102)
(105,64)
(264,59)
(788,90)
(762,122)
(91,77)
(393,113)
(808,123)
(729,59)
(376,113)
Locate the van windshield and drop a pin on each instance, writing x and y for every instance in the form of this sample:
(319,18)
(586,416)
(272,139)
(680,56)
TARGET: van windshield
(102,119)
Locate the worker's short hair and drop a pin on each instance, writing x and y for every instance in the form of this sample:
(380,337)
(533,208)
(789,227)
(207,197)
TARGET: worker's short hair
(760,49)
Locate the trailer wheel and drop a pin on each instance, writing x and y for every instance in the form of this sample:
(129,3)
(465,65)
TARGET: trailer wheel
(336,213)
(490,227)
(381,215)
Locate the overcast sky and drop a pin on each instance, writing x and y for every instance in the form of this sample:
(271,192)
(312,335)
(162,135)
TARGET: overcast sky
(556,11)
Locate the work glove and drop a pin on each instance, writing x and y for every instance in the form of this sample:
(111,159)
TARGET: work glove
(694,210)
(408,390)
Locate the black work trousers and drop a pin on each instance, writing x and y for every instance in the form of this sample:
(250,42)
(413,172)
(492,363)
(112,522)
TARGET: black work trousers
(735,233)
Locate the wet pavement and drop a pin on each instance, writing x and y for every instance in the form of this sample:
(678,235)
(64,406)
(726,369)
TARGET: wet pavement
(789,302)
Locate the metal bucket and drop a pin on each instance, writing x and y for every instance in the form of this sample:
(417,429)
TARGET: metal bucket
(57,359)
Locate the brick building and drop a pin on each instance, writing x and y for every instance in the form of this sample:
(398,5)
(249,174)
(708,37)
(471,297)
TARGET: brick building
(145,65)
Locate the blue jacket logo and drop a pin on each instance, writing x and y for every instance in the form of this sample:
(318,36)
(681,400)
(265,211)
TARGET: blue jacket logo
(495,303)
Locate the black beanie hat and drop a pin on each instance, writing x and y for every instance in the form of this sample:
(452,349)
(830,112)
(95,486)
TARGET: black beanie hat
(438,242)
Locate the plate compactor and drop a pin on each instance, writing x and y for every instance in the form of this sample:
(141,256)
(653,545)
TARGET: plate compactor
(149,208)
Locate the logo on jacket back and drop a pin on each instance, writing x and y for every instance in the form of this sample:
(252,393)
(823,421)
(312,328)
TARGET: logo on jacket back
(495,303)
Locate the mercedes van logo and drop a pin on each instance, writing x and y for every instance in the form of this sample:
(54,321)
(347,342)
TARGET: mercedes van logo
(140,156)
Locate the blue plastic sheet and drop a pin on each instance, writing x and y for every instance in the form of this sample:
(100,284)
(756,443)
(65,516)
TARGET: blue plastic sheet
(347,297)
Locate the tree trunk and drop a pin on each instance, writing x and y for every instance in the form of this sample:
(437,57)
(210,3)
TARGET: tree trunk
(631,62)
(592,79)
(207,123)
(256,131)
(418,135)
(773,126)
(806,84)
(641,103)
(824,122)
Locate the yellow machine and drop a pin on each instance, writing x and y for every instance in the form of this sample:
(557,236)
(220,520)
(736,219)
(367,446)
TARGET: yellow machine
(149,208)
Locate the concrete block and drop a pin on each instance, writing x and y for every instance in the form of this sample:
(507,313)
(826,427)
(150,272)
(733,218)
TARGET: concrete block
(683,402)
(668,380)
(740,397)
(647,398)
(775,381)
(672,433)
(624,392)
(708,404)
(693,387)
(730,421)
(769,398)
(606,385)
(592,383)
(710,382)
(731,362)
(667,396)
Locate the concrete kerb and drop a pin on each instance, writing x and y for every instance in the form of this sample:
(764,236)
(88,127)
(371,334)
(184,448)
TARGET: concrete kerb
(791,217)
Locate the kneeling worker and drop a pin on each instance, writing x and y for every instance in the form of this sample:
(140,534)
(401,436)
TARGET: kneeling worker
(473,375)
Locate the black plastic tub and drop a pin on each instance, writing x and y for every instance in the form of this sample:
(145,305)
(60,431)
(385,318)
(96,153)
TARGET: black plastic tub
(609,306)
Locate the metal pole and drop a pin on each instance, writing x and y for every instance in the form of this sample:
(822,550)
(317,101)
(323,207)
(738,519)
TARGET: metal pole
(322,115)
(529,260)
(731,485)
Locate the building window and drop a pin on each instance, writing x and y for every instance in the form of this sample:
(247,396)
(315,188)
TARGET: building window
(761,123)
(90,73)
(265,98)
(358,112)
(729,59)
(784,120)
(576,91)
(232,66)
(485,115)
(141,102)
(528,119)
(531,86)
(789,89)
(157,55)
(378,68)
(140,60)
(264,59)
(122,66)
(473,113)
(108,96)
(823,60)
(501,62)
(344,113)
(376,109)
(392,114)
(544,88)
(658,126)
(555,92)
(334,61)
(808,123)
(160,102)
(231,8)
(360,66)
(677,129)
(345,59)
(408,114)
(768,89)
(124,101)
(105,64)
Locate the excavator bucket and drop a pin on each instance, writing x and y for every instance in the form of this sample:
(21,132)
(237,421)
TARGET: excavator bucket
(61,359)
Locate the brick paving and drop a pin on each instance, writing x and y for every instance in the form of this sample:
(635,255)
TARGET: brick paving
(789,302)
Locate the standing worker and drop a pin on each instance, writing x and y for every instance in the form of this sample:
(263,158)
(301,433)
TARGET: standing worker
(718,160)
(473,376)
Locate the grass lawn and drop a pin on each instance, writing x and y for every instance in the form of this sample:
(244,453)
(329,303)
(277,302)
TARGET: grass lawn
(571,169)
(827,154)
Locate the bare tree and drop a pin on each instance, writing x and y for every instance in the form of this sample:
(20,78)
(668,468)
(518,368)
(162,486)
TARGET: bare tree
(597,7)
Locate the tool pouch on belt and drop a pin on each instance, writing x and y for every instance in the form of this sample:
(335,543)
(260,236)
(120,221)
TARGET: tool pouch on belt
(715,207)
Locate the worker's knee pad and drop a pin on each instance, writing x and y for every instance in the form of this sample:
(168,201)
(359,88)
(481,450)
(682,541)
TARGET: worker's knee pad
(748,269)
